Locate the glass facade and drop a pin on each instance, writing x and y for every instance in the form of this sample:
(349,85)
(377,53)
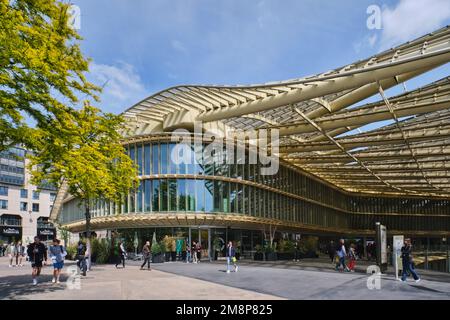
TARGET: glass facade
(12,166)
(240,188)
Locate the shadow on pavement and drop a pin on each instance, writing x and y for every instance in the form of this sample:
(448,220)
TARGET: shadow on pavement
(20,286)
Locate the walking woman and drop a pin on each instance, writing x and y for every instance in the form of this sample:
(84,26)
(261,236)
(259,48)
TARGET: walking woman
(11,252)
(231,257)
(147,255)
(194,252)
(20,253)
(122,255)
(352,258)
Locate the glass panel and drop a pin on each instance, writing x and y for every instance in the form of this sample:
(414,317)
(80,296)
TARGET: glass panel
(163,158)
(218,207)
(209,195)
(172,158)
(148,195)
(190,191)
(147,159)
(140,197)
(181,195)
(155,151)
(164,186)
(200,195)
(155,197)
(172,195)
(139,159)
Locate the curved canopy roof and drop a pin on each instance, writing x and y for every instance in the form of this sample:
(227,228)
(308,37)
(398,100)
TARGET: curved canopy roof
(318,121)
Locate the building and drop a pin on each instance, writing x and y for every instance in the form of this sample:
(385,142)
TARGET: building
(330,179)
(24,208)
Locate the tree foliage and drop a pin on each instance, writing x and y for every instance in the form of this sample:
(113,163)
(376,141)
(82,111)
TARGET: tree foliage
(87,156)
(41,68)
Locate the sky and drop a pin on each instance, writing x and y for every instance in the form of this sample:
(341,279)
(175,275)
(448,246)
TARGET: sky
(142,46)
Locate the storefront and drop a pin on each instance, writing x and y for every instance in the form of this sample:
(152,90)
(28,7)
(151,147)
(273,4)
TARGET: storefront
(10,233)
(45,230)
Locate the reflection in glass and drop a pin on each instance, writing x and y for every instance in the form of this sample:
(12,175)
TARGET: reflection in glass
(209,195)
(181,194)
(139,158)
(155,159)
(147,159)
(164,158)
(172,195)
(200,195)
(190,190)
(164,193)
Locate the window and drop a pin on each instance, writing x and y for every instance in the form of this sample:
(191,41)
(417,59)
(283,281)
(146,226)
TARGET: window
(3,204)
(35,195)
(24,193)
(3,191)
(52,197)
(23,206)
(35,207)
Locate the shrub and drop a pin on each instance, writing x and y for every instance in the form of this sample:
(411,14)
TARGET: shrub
(71,251)
(101,250)
(156,248)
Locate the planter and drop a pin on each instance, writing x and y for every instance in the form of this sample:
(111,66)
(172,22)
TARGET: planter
(271,256)
(285,255)
(159,258)
(216,254)
(173,255)
(238,256)
(258,256)
(167,256)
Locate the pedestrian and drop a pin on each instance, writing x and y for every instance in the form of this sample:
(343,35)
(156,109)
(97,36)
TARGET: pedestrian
(341,253)
(20,253)
(407,260)
(81,258)
(331,250)
(194,252)
(146,253)
(352,258)
(231,257)
(297,251)
(11,252)
(122,255)
(188,252)
(38,257)
(57,254)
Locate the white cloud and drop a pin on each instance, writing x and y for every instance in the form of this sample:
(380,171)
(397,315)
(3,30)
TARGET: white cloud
(122,85)
(179,46)
(411,19)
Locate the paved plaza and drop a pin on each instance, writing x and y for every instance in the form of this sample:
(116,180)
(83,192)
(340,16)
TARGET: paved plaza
(304,280)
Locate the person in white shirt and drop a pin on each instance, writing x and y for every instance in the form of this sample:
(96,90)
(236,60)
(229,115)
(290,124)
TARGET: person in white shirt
(341,253)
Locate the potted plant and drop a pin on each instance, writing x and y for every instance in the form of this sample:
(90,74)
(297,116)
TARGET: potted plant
(285,250)
(157,253)
(270,254)
(259,255)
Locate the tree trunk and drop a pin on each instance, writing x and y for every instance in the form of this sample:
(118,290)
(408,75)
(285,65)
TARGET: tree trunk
(88,233)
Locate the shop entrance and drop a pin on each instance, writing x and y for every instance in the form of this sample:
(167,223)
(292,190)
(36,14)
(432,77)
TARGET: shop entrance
(202,236)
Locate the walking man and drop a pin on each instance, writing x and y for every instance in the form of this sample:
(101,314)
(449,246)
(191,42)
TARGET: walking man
(81,257)
(122,255)
(147,256)
(407,260)
(231,257)
(38,256)
(57,254)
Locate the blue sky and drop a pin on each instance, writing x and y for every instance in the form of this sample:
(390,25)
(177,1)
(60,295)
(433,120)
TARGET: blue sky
(142,46)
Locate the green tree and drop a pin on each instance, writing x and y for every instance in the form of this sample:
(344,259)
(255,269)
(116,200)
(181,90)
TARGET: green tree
(41,69)
(88,158)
